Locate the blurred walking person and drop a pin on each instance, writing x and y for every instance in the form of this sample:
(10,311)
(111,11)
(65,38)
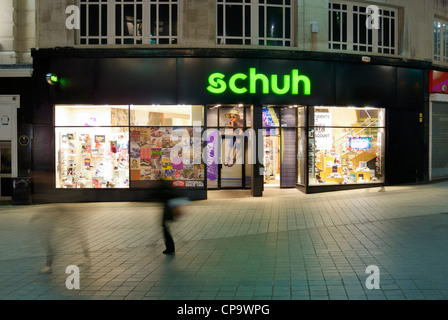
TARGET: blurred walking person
(59,227)
(165,193)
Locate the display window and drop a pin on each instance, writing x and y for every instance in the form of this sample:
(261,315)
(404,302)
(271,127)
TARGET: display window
(168,153)
(122,146)
(346,145)
(92,157)
(92,146)
(165,143)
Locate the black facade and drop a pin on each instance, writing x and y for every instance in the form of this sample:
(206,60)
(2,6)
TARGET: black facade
(181,77)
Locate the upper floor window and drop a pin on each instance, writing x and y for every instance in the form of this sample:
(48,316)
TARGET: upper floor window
(348,29)
(128,22)
(254,22)
(441,41)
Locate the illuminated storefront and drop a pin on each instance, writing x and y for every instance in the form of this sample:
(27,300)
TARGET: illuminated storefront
(118,124)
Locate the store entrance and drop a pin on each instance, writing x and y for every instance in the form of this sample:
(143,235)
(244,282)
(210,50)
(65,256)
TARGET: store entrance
(227,147)
(272,145)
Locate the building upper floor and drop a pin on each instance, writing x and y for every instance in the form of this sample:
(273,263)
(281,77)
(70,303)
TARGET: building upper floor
(407,29)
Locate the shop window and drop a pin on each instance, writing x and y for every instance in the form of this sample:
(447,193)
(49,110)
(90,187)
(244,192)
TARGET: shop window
(92,157)
(92,146)
(346,145)
(168,153)
(245,22)
(165,143)
(166,115)
(125,146)
(91,116)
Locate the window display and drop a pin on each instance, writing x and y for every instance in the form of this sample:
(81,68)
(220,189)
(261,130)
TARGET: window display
(168,153)
(112,146)
(92,158)
(92,146)
(346,145)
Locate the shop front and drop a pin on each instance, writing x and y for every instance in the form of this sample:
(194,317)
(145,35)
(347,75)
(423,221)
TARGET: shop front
(118,125)
(438,125)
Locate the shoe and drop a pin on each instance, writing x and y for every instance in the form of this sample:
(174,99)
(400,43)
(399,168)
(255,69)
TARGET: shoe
(168,252)
(46,269)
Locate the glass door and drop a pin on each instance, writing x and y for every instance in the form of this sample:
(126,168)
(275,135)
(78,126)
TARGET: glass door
(272,153)
(280,146)
(227,147)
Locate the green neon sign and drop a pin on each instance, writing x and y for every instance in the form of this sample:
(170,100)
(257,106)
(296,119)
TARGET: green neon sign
(241,83)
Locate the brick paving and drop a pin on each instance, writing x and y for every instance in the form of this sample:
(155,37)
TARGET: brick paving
(284,246)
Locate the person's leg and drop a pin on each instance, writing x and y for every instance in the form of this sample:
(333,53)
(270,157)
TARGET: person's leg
(169,242)
(48,266)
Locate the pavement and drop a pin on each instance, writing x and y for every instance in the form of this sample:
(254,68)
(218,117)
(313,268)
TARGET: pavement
(284,246)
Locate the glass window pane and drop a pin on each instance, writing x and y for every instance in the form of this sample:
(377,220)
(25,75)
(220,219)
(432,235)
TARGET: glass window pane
(83,20)
(164,20)
(174,20)
(234,21)
(349,117)
(212,117)
(274,25)
(271,117)
(212,150)
(91,116)
(336,19)
(220,20)
(248,116)
(169,153)
(166,115)
(232,158)
(301,114)
(5,154)
(104,20)
(95,157)
(301,155)
(118,21)
(288,117)
(93,20)
(346,155)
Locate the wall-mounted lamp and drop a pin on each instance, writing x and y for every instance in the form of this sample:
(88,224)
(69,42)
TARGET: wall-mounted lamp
(52,79)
